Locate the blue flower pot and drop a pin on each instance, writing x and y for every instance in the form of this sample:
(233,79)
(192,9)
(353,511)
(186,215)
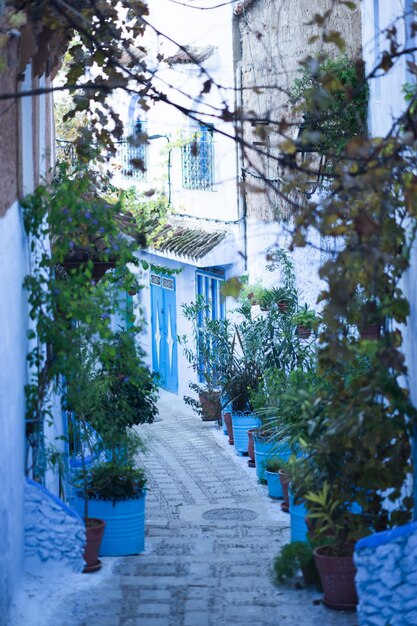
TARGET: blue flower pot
(274,485)
(298,513)
(266,450)
(125,524)
(242,421)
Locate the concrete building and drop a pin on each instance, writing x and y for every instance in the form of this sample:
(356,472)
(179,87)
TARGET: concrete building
(272,39)
(27,154)
(192,159)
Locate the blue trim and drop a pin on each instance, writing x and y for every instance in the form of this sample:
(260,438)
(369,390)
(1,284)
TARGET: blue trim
(56,500)
(386,536)
(163,300)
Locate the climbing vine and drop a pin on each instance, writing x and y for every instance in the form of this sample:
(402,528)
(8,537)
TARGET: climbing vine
(76,235)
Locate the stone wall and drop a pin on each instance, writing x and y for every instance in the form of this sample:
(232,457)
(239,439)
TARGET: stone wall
(53,531)
(386,577)
(276,36)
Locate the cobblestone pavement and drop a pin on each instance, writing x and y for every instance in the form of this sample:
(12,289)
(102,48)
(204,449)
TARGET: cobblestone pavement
(212,532)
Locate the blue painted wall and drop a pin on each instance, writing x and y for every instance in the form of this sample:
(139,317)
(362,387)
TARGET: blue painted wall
(386,577)
(13,348)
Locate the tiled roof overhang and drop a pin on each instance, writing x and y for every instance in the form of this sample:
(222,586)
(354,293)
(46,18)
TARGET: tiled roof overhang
(183,241)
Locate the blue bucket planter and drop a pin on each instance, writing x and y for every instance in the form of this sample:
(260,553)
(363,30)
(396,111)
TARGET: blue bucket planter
(274,485)
(266,450)
(298,513)
(242,421)
(125,524)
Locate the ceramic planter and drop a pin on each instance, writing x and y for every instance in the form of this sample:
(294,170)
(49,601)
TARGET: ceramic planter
(372,331)
(227,416)
(303,332)
(94,529)
(125,524)
(251,449)
(285,481)
(274,484)
(210,406)
(242,421)
(226,409)
(337,575)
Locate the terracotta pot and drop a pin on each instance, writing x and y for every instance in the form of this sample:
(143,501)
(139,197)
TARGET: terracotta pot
(303,331)
(337,575)
(227,416)
(210,406)
(372,331)
(94,535)
(283,306)
(251,449)
(285,481)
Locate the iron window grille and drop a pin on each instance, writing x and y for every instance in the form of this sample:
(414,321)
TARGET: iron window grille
(132,153)
(198,160)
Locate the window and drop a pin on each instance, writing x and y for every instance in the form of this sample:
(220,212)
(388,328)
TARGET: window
(197,160)
(132,153)
(209,283)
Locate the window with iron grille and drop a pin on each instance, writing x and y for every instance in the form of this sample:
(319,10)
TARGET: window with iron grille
(198,160)
(132,153)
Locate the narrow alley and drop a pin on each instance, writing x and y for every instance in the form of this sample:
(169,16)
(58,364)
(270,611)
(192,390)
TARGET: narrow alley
(212,532)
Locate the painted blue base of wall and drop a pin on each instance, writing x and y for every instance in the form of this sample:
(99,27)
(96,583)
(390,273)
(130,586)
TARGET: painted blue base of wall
(53,531)
(386,578)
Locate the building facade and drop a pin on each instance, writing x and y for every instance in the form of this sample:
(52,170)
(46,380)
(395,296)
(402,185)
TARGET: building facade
(27,154)
(190,157)
(272,40)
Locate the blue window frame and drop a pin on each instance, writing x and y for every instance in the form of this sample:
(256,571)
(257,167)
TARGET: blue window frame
(208,286)
(198,160)
(132,153)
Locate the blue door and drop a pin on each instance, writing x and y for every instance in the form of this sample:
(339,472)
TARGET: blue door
(164,330)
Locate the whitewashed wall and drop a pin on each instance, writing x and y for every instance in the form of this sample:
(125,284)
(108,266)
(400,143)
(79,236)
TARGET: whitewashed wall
(15,264)
(386,103)
(13,347)
(182,85)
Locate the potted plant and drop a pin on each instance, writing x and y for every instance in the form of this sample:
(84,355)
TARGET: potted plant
(340,526)
(295,557)
(282,297)
(370,317)
(208,354)
(114,393)
(272,473)
(305,319)
(114,490)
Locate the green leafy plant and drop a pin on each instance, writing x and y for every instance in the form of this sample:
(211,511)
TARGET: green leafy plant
(112,481)
(276,464)
(333,98)
(305,317)
(69,304)
(294,557)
